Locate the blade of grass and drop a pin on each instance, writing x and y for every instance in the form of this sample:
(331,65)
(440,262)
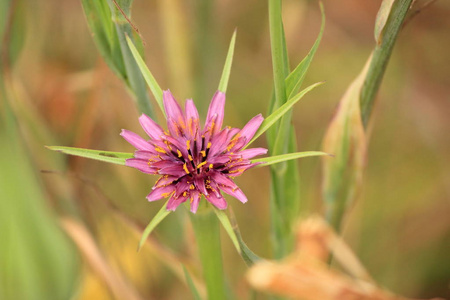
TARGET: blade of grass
(118,158)
(267,161)
(161,215)
(227,67)
(277,114)
(148,76)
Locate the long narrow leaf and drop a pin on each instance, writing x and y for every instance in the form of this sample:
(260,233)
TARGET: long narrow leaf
(277,114)
(148,76)
(267,161)
(223,218)
(227,67)
(295,78)
(161,215)
(118,158)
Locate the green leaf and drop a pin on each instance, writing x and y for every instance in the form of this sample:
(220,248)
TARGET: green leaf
(267,161)
(278,51)
(148,76)
(227,67)
(194,291)
(277,114)
(223,218)
(118,158)
(295,79)
(382,17)
(162,213)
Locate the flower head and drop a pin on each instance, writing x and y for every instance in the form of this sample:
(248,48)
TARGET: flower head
(193,161)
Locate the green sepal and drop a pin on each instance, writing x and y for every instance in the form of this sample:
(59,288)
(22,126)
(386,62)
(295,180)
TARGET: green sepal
(161,215)
(227,67)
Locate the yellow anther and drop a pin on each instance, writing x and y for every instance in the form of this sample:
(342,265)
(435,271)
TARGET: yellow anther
(190,157)
(185,168)
(203,153)
(160,150)
(209,145)
(179,153)
(201,165)
(184,194)
(164,195)
(192,187)
(188,144)
(210,166)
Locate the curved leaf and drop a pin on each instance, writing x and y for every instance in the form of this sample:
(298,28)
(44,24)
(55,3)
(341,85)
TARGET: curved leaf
(161,215)
(118,158)
(227,67)
(267,161)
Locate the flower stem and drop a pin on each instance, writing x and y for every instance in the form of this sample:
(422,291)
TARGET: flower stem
(207,234)
(381,57)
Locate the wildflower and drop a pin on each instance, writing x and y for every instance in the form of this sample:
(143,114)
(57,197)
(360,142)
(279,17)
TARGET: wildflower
(193,162)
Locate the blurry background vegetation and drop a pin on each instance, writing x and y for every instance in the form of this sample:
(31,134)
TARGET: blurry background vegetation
(57,90)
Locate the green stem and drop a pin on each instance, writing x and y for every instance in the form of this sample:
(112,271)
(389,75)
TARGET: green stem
(207,234)
(381,57)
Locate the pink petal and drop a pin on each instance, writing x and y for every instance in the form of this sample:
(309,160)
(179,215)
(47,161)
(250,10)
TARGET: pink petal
(218,143)
(250,153)
(172,169)
(216,112)
(200,185)
(145,155)
(192,119)
(175,202)
(251,127)
(235,192)
(141,165)
(172,108)
(150,127)
(135,140)
(159,193)
(195,201)
(221,179)
(218,202)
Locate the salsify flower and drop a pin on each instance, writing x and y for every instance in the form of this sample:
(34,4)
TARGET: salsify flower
(192,161)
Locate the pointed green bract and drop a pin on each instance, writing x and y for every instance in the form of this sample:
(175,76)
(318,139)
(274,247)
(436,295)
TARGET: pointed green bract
(118,158)
(227,67)
(295,78)
(161,215)
(232,229)
(267,161)
(191,285)
(277,114)
(148,76)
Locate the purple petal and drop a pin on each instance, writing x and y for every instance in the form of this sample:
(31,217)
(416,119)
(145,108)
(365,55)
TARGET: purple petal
(165,181)
(159,193)
(235,192)
(195,200)
(175,202)
(150,127)
(135,140)
(200,184)
(250,153)
(251,127)
(146,155)
(218,202)
(215,112)
(219,143)
(172,169)
(141,165)
(192,119)
(221,179)
(172,108)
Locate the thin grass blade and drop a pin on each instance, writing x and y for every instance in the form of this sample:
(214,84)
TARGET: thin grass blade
(277,114)
(227,67)
(267,161)
(161,215)
(148,76)
(118,158)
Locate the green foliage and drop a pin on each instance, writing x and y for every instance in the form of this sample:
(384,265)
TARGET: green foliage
(118,158)
(227,67)
(109,26)
(194,291)
(161,215)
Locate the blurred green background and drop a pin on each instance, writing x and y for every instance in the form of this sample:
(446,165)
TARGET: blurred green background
(66,222)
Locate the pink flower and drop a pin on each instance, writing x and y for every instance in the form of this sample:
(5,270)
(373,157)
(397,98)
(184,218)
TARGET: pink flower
(193,162)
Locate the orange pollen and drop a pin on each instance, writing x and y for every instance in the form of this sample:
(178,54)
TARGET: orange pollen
(160,150)
(185,168)
(201,165)
(203,153)
(179,153)
(210,166)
